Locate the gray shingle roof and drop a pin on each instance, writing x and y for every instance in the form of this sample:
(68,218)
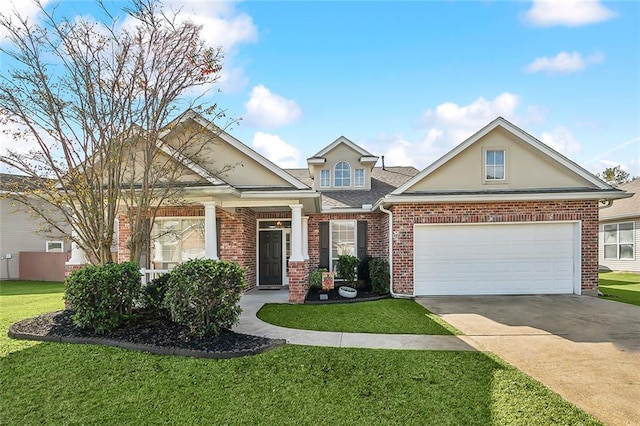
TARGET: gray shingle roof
(627,207)
(382,183)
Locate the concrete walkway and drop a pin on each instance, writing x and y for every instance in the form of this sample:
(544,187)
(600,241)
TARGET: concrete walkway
(249,323)
(585,349)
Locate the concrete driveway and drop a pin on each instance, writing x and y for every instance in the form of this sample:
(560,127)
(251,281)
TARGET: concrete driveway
(585,349)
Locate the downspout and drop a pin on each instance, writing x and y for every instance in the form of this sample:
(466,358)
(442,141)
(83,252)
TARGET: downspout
(393,294)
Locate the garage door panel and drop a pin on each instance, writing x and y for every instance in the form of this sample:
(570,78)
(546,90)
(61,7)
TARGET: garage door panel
(495,259)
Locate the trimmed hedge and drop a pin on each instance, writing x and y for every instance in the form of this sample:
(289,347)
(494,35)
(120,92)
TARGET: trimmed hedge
(102,296)
(152,296)
(379,275)
(203,294)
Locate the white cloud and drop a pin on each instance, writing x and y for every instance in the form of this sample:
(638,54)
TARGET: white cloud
(561,140)
(449,124)
(267,109)
(456,123)
(25,9)
(563,63)
(570,13)
(276,150)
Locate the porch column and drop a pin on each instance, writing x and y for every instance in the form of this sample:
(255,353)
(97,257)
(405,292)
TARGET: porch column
(78,256)
(305,237)
(210,237)
(296,233)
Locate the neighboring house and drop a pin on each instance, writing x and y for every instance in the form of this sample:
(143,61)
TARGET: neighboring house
(501,213)
(619,235)
(25,251)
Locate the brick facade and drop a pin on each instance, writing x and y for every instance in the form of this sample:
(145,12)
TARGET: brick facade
(377,233)
(298,279)
(407,215)
(237,235)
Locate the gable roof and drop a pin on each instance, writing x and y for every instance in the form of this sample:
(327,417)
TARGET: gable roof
(626,208)
(235,143)
(599,186)
(342,140)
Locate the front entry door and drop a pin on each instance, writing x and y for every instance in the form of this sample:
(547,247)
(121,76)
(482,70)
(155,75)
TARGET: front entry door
(270,258)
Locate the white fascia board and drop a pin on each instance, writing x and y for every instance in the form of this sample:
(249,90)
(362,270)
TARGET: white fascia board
(350,210)
(316,160)
(280,194)
(363,152)
(494,197)
(249,152)
(368,159)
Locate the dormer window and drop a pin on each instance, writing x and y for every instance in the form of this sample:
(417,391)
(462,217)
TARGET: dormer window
(325,178)
(342,175)
(359,178)
(494,165)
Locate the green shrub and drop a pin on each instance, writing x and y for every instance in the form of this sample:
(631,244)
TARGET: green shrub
(315,279)
(379,275)
(347,267)
(203,294)
(102,296)
(153,295)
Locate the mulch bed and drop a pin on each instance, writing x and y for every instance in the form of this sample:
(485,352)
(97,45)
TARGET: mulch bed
(155,335)
(364,295)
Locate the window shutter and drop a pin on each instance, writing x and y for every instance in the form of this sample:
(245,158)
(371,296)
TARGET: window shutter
(218,228)
(362,239)
(324,245)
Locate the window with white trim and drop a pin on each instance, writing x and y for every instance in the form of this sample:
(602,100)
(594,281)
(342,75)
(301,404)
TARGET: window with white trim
(494,165)
(343,240)
(325,178)
(342,175)
(176,240)
(54,246)
(619,241)
(358,178)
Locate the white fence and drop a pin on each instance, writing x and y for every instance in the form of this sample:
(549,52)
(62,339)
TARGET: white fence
(150,274)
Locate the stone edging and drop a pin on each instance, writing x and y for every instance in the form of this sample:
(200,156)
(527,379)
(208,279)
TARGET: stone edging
(338,301)
(159,350)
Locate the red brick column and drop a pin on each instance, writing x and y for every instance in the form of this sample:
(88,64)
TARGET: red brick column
(297,281)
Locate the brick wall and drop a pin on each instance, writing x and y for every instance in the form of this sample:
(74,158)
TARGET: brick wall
(406,215)
(238,240)
(377,233)
(298,278)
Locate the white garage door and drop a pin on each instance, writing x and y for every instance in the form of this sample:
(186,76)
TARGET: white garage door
(531,258)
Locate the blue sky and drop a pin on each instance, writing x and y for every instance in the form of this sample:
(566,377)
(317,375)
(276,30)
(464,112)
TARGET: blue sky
(410,80)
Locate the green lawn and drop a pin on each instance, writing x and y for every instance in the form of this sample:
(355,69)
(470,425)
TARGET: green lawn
(621,287)
(388,316)
(51,383)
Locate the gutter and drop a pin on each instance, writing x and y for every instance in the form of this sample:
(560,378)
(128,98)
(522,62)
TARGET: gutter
(393,294)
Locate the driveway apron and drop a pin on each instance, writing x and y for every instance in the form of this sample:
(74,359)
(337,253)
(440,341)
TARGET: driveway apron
(585,349)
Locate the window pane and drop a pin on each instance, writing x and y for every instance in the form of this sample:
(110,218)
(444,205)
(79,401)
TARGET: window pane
(324,178)
(499,157)
(625,232)
(342,239)
(626,251)
(610,234)
(359,177)
(342,174)
(490,157)
(498,172)
(610,252)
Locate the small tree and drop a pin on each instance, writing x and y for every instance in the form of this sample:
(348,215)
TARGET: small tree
(348,267)
(96,101)
(615,176)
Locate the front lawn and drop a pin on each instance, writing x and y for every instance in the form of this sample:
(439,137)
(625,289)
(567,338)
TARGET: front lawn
(386,316)
(621,287)
(52,383)
(24,299)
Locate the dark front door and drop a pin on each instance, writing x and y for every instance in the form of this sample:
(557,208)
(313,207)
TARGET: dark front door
(270,258)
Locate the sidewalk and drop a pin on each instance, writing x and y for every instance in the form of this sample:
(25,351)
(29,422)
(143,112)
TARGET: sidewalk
(249,323)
